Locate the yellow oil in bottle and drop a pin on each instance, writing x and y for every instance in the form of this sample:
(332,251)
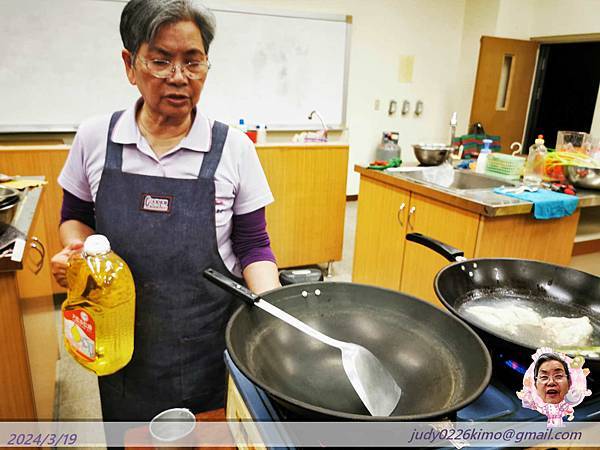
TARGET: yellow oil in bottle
(99,312)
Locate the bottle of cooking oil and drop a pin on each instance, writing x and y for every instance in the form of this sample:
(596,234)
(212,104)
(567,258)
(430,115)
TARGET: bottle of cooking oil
(98,314)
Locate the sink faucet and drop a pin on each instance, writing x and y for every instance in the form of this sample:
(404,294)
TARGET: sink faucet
(314,112)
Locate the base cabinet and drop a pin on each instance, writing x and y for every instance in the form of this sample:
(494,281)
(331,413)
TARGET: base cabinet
(386,213)
(306,220)
(380,230)
(28,333)
(451,225)
(236,411)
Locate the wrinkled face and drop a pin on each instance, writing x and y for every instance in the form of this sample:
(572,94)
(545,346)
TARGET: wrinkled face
(552,383)
(175,96)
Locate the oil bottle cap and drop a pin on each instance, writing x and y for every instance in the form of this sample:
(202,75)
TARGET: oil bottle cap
(96,244)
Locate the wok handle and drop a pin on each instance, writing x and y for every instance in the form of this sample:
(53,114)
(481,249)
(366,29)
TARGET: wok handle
(231,286)
(447,251)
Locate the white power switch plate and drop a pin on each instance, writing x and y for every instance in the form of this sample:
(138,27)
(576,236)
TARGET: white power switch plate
(377,104)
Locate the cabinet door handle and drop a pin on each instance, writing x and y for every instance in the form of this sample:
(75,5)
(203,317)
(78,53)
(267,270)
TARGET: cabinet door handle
(38,242)
(411,212)
(40,263)
(399,215)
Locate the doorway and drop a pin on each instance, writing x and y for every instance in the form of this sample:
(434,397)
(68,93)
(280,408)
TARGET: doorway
(564,91)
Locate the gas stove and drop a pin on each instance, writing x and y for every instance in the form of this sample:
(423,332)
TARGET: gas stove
(497,403)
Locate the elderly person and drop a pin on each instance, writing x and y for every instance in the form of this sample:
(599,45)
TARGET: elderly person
(552,378)
(175,193)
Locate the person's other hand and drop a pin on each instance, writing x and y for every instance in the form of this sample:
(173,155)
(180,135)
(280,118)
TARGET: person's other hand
(59,262)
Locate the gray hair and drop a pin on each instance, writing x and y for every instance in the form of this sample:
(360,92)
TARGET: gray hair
(141,20)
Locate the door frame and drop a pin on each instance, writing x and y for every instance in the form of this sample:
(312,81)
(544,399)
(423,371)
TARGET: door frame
(539,76)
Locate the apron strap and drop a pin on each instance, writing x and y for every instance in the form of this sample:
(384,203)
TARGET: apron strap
(114,152)
(212,158)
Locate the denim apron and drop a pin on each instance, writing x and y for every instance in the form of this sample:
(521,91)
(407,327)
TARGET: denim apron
(164,228)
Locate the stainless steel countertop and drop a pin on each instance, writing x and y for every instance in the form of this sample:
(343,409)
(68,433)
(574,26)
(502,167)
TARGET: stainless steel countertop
(481,201)
(22,222)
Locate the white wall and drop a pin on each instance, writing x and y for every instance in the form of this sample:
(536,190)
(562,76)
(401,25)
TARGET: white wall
(382,31)
(556,17)
(520,19)
(479,19)
(443,36)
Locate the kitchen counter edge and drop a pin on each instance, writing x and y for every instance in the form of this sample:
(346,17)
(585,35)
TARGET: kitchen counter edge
(502,206)
(23,220)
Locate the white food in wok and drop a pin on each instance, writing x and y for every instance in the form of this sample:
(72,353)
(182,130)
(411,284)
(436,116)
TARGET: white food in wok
(568,332)
(527,326)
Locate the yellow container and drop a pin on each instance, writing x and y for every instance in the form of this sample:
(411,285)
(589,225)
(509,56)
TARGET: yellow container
(99,312)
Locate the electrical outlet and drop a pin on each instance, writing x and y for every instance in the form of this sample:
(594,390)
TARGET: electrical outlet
(377,104)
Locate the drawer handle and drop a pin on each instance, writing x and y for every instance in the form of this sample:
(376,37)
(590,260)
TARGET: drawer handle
(399,215)
(411,212)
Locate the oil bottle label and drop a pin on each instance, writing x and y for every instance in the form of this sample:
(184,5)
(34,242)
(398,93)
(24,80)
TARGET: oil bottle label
(80,332)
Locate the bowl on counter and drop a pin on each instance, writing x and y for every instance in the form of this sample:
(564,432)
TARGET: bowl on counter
(583,177)
(9,199)
(432,154)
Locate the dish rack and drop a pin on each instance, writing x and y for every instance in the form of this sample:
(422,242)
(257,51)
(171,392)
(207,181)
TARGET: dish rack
(509,167)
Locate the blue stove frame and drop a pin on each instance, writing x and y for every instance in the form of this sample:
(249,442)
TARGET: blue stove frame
(497,403)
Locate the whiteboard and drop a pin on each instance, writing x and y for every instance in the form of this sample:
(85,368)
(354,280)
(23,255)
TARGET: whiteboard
(61,63)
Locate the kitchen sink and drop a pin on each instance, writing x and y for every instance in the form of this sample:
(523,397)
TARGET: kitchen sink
(456,179)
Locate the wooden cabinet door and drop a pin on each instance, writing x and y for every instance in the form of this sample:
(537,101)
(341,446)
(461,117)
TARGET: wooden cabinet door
(35,279)
(47,160)
(445,223)
(380,229)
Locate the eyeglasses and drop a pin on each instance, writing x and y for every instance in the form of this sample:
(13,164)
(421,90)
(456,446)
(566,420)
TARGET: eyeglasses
(163,68)
(545,379)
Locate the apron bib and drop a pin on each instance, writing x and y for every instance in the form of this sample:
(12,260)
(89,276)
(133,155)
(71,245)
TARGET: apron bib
(164,228)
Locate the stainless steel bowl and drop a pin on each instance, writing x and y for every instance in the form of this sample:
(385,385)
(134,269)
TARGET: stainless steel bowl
(9,199)
(583,177)
(432,154)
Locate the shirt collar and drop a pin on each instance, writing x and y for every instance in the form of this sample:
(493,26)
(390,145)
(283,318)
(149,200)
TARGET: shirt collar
(198,139)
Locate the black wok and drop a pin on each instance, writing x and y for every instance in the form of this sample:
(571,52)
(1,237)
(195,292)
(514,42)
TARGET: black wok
(439,363)
(548,289)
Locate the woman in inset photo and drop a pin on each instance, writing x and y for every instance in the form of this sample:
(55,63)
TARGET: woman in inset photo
(552,378)
(553,385)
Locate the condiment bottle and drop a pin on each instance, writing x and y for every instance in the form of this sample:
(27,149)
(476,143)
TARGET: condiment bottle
(535,165)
